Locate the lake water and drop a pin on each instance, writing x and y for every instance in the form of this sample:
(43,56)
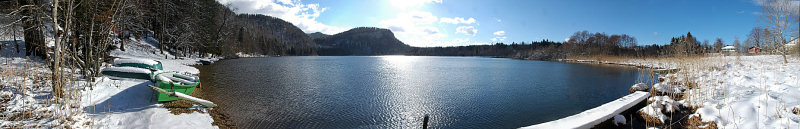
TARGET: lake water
(397,91)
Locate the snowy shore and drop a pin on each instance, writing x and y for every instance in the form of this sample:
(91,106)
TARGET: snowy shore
(27,102)
(131,104)
(722,91)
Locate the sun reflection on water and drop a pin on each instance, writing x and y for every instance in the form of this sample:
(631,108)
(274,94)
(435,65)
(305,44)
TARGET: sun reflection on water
(406,94)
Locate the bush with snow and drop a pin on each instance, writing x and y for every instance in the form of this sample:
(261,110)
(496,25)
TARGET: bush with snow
(639,87)
(619,120)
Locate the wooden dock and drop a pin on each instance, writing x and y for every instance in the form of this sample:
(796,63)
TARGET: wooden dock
(589,118)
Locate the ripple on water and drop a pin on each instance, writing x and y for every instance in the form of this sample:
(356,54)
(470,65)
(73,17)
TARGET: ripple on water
(396,91)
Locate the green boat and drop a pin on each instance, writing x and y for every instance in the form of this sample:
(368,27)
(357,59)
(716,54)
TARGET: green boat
(175,82)
(127,73)
(139,63)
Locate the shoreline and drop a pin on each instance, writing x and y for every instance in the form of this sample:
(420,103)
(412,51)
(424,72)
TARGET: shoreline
(680,72)
(707,92)
(637,122)
(637,116)
(222,119)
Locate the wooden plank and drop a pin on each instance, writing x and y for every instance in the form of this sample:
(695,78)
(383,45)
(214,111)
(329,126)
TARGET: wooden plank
(589,118)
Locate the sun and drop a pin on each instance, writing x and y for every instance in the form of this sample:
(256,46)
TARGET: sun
(405,4)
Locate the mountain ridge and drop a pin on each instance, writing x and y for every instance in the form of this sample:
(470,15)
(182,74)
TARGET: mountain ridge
(362,41)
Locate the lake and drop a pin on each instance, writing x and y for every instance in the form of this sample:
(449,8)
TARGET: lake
(398,91)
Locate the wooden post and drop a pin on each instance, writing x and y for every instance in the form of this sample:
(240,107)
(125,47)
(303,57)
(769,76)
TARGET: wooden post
(425,122)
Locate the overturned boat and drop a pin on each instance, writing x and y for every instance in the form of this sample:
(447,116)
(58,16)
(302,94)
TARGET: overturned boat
(170,85)
(118,73)
(139,63)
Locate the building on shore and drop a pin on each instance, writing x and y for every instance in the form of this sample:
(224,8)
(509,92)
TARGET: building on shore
(792,44)
(729,49)
(754,50)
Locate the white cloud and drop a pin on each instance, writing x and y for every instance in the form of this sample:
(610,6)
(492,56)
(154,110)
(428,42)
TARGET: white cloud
(461,42)
(457,20)
(431,30)
(286,2)
(468,30)
(415,28)
(499,33)
(421,17)
(419,28)
(499,20)
(655,33)
(301,15)
(495,39)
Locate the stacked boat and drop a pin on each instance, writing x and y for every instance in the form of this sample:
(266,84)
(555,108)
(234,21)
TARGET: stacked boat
(171,82)
(174,82)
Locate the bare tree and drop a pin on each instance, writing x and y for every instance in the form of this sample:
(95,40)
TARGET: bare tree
(738,44)
(33,28)
(628,41)
(777,17)
(757,37)
(706,47)
(717,45)
(57,71)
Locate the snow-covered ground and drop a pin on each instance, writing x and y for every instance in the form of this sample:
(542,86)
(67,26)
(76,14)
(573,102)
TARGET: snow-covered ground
(732,92)
(108,104)
(131,104)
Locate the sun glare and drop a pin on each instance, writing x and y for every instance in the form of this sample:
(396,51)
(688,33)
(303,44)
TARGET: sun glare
(398,58)
(404,4)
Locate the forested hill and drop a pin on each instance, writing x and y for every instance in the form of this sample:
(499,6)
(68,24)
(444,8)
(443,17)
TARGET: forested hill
(362,41)
(316,35)
(272,36)
(207,27)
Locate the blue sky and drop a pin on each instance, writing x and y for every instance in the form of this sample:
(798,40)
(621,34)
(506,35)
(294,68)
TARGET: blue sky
(468,22)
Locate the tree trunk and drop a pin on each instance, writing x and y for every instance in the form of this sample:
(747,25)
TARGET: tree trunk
(34,39)
(163,27)
(783,51)
(122,43)
(14,33)
(58,89)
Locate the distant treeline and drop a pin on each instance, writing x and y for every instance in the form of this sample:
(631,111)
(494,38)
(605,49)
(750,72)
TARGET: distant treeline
(581,43)
(586,44)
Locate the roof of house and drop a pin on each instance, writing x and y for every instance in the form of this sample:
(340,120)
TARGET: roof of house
(729,47)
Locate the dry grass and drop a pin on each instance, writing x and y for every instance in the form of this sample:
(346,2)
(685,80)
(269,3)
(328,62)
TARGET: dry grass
(651,120)
(689,68)
(27,101)
(695,122)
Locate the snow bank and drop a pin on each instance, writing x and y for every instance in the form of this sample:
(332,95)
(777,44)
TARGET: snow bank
(733,92)
(134,60)
(652,114)
(124,104)
(594,116)
(131,104)
(639,87)
(663,87)
(619,120)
